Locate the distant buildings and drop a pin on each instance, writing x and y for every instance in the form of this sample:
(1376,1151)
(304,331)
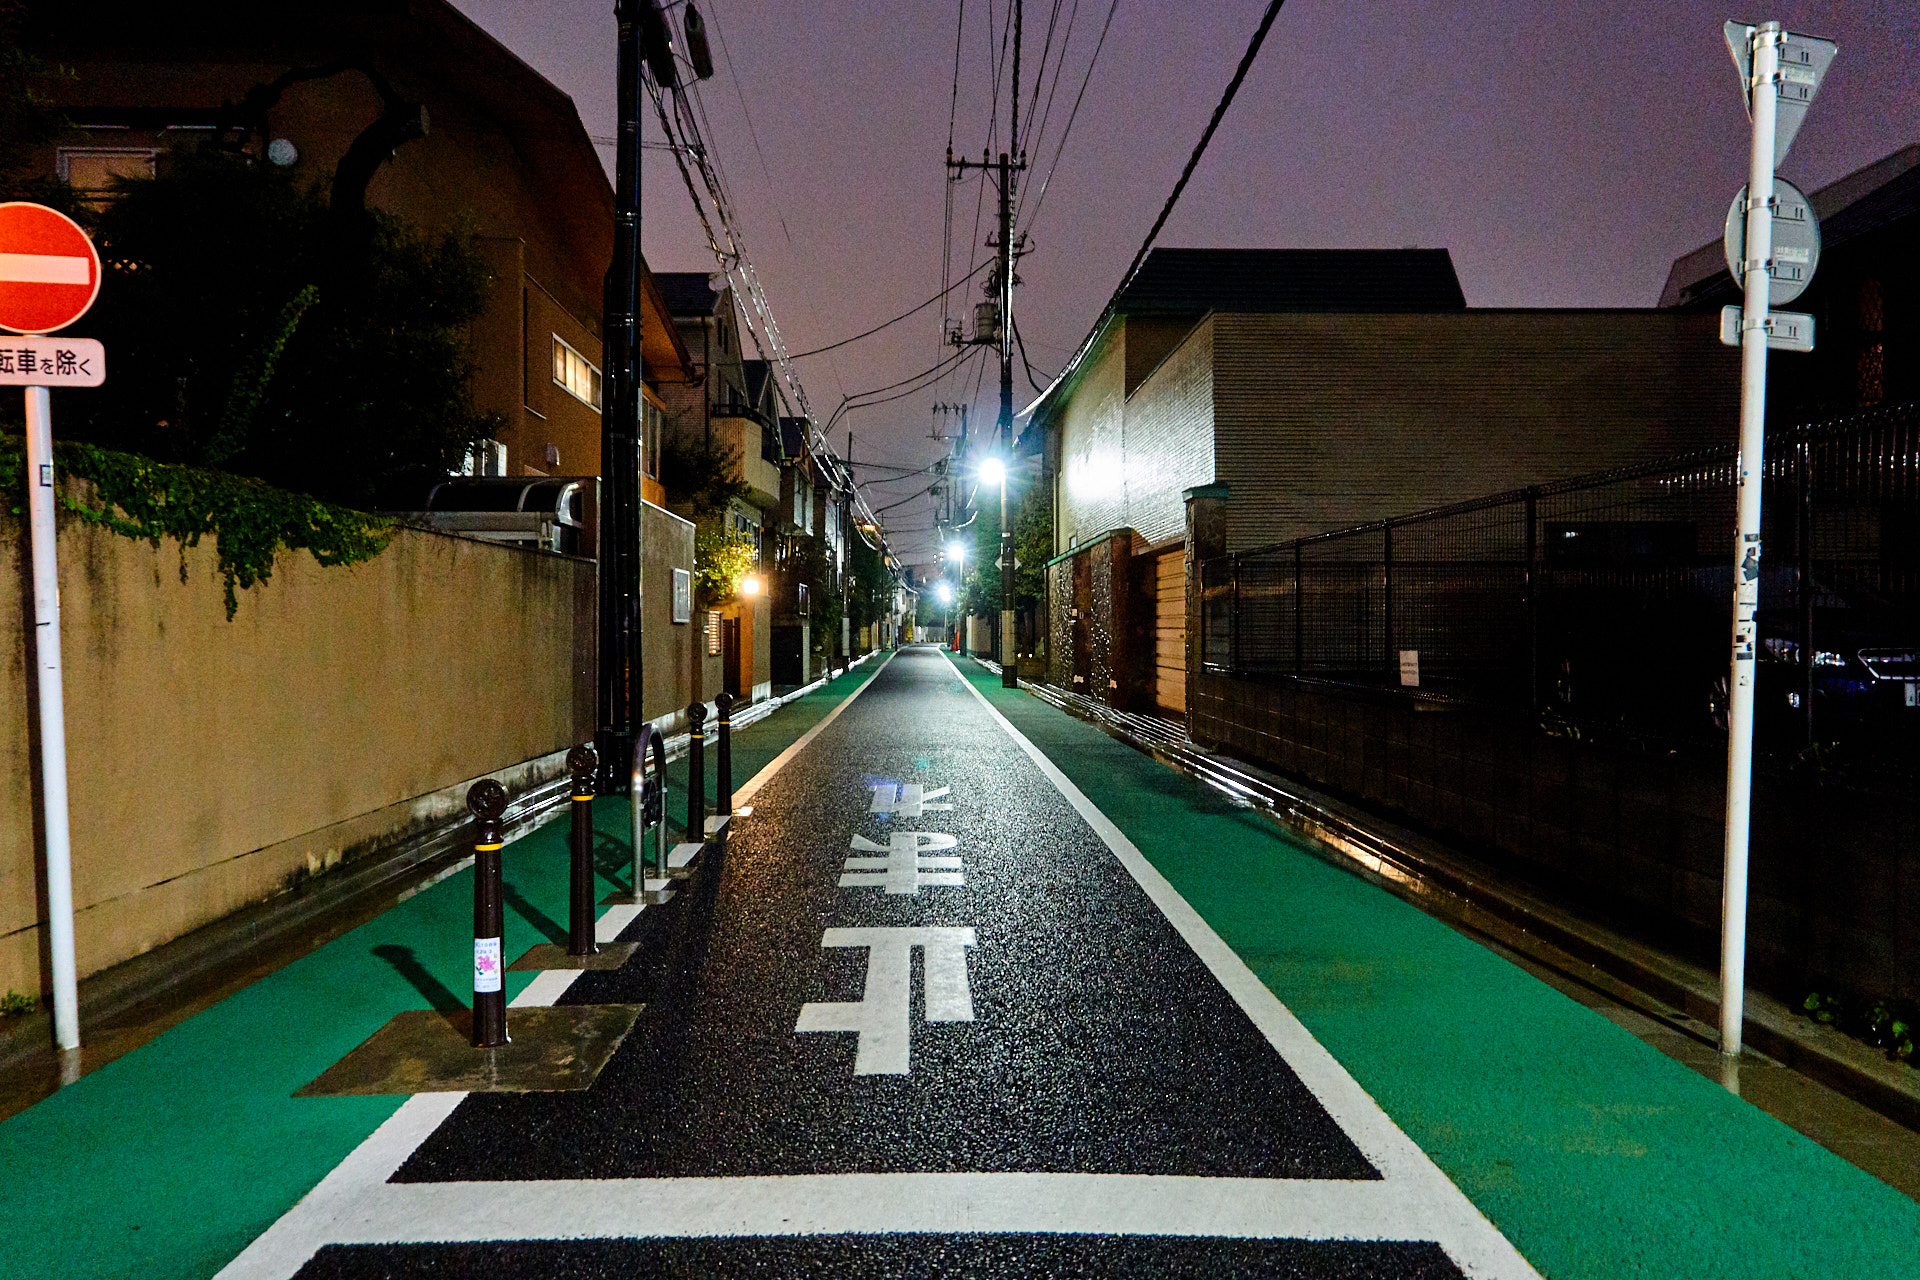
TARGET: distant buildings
(1289,392)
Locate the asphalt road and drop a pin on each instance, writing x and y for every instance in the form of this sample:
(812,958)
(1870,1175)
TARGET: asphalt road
(929,1015)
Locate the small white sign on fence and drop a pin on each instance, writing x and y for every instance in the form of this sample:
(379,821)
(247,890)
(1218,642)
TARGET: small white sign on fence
(1410,668)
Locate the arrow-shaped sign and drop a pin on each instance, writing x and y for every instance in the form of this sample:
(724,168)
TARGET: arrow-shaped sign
(1803,66)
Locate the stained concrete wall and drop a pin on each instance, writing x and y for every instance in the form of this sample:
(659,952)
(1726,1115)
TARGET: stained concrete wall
(215,763)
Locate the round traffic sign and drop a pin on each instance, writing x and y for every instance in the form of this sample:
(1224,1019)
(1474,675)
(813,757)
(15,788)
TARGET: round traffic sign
(49,270)
(1796,242)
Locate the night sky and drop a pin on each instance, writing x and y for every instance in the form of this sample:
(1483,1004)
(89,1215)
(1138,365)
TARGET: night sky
(1565,162)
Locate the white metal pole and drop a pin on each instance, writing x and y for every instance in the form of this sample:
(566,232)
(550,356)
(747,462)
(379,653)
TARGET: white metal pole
(1763,94)
(53,720)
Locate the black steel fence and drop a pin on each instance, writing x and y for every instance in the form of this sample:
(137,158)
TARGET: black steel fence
(1606,601)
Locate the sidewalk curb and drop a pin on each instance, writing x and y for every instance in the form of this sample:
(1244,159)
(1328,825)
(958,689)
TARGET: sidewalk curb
(417,861)
(1448,884)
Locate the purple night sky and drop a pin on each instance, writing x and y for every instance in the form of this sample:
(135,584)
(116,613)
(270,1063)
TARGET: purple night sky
(1565,163)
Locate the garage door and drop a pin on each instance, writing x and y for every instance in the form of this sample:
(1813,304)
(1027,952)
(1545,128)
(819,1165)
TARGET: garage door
(1170,631)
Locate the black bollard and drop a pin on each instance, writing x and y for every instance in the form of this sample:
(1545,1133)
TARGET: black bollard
(696,774)
(487,800)
(582,763)
(723,784)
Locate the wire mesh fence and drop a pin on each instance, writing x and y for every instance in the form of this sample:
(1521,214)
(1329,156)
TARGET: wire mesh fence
(1607,600)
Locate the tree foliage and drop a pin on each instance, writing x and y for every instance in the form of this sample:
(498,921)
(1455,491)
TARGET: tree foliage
(250,522)
(29,115)
(701,476)
(979,594)
(722,557)
(243,339)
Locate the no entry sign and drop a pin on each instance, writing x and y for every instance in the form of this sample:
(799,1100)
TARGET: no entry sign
(49,271)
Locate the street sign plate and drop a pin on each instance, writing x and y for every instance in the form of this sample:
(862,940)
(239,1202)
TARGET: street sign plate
(49,270)
(1803,65)
(52,362)
(1786,330)
(1796,242)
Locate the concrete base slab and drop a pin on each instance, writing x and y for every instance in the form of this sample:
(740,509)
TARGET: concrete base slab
(682,856)
(657,892)
(551,955)
(555,1047)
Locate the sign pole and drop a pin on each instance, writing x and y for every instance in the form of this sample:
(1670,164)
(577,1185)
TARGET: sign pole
(53,719)
(1763,96)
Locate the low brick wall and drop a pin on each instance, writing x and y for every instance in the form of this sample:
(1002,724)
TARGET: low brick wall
(1631,837)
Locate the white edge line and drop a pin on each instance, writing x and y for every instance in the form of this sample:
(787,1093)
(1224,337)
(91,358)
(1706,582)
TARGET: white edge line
(344,1195)
(751,787)
(1472,1241)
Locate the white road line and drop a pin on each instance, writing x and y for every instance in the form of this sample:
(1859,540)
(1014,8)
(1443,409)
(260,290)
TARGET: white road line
(752,785)
(833,1204)
(1428,1195)
(357,1190)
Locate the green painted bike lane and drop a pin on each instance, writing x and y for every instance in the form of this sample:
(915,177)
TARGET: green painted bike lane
(169,1160)
(1599,1157)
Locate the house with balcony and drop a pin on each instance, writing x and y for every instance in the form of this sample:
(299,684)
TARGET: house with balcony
(726,410)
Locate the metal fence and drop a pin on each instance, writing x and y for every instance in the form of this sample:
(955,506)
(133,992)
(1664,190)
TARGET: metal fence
(1607,600)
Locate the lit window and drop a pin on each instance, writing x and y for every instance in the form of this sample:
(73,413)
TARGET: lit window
(575,373)
(713,632)
(91,171)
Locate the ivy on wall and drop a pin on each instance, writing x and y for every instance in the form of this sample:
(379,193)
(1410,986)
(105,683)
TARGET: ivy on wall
(250,522)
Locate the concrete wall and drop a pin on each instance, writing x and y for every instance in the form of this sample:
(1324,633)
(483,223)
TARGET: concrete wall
(215,763)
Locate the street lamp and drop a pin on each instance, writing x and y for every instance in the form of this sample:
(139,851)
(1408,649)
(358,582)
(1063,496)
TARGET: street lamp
(957,551)
(994,472)
(750,585)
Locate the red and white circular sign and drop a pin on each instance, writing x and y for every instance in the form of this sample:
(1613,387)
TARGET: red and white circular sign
(49,269)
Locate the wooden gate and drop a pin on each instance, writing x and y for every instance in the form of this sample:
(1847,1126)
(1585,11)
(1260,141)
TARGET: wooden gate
(1170,631)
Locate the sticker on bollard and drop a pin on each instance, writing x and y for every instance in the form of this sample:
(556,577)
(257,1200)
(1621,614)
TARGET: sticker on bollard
(486,964)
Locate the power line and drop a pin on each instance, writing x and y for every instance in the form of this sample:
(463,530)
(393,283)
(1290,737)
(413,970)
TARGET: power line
(1022,344)
(1067,132)
(896,320)
(1200,148)
(1193,161)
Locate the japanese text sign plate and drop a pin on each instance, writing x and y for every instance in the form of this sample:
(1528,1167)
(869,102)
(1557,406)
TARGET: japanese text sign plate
(52,362)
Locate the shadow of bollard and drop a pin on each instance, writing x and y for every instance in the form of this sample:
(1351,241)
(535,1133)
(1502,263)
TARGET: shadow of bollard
(436,993)
(552,930)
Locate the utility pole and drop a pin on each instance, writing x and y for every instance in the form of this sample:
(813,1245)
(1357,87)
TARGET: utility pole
(619,673)
(1003,170)
(643,38)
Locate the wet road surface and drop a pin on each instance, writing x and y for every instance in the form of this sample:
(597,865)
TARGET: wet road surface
(929,1015)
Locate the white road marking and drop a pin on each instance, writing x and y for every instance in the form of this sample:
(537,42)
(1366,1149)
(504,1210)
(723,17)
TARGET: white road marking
(907,799)
(883,1014)
(831,1204)
(44,268)
(1426,1194)
(903,870)
(357,1191)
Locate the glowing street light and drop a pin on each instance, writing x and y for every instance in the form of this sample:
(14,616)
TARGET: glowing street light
(750,585)
(943,592)
(993,472)
(957,551)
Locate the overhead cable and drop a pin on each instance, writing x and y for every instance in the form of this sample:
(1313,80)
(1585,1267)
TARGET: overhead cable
(896,320)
